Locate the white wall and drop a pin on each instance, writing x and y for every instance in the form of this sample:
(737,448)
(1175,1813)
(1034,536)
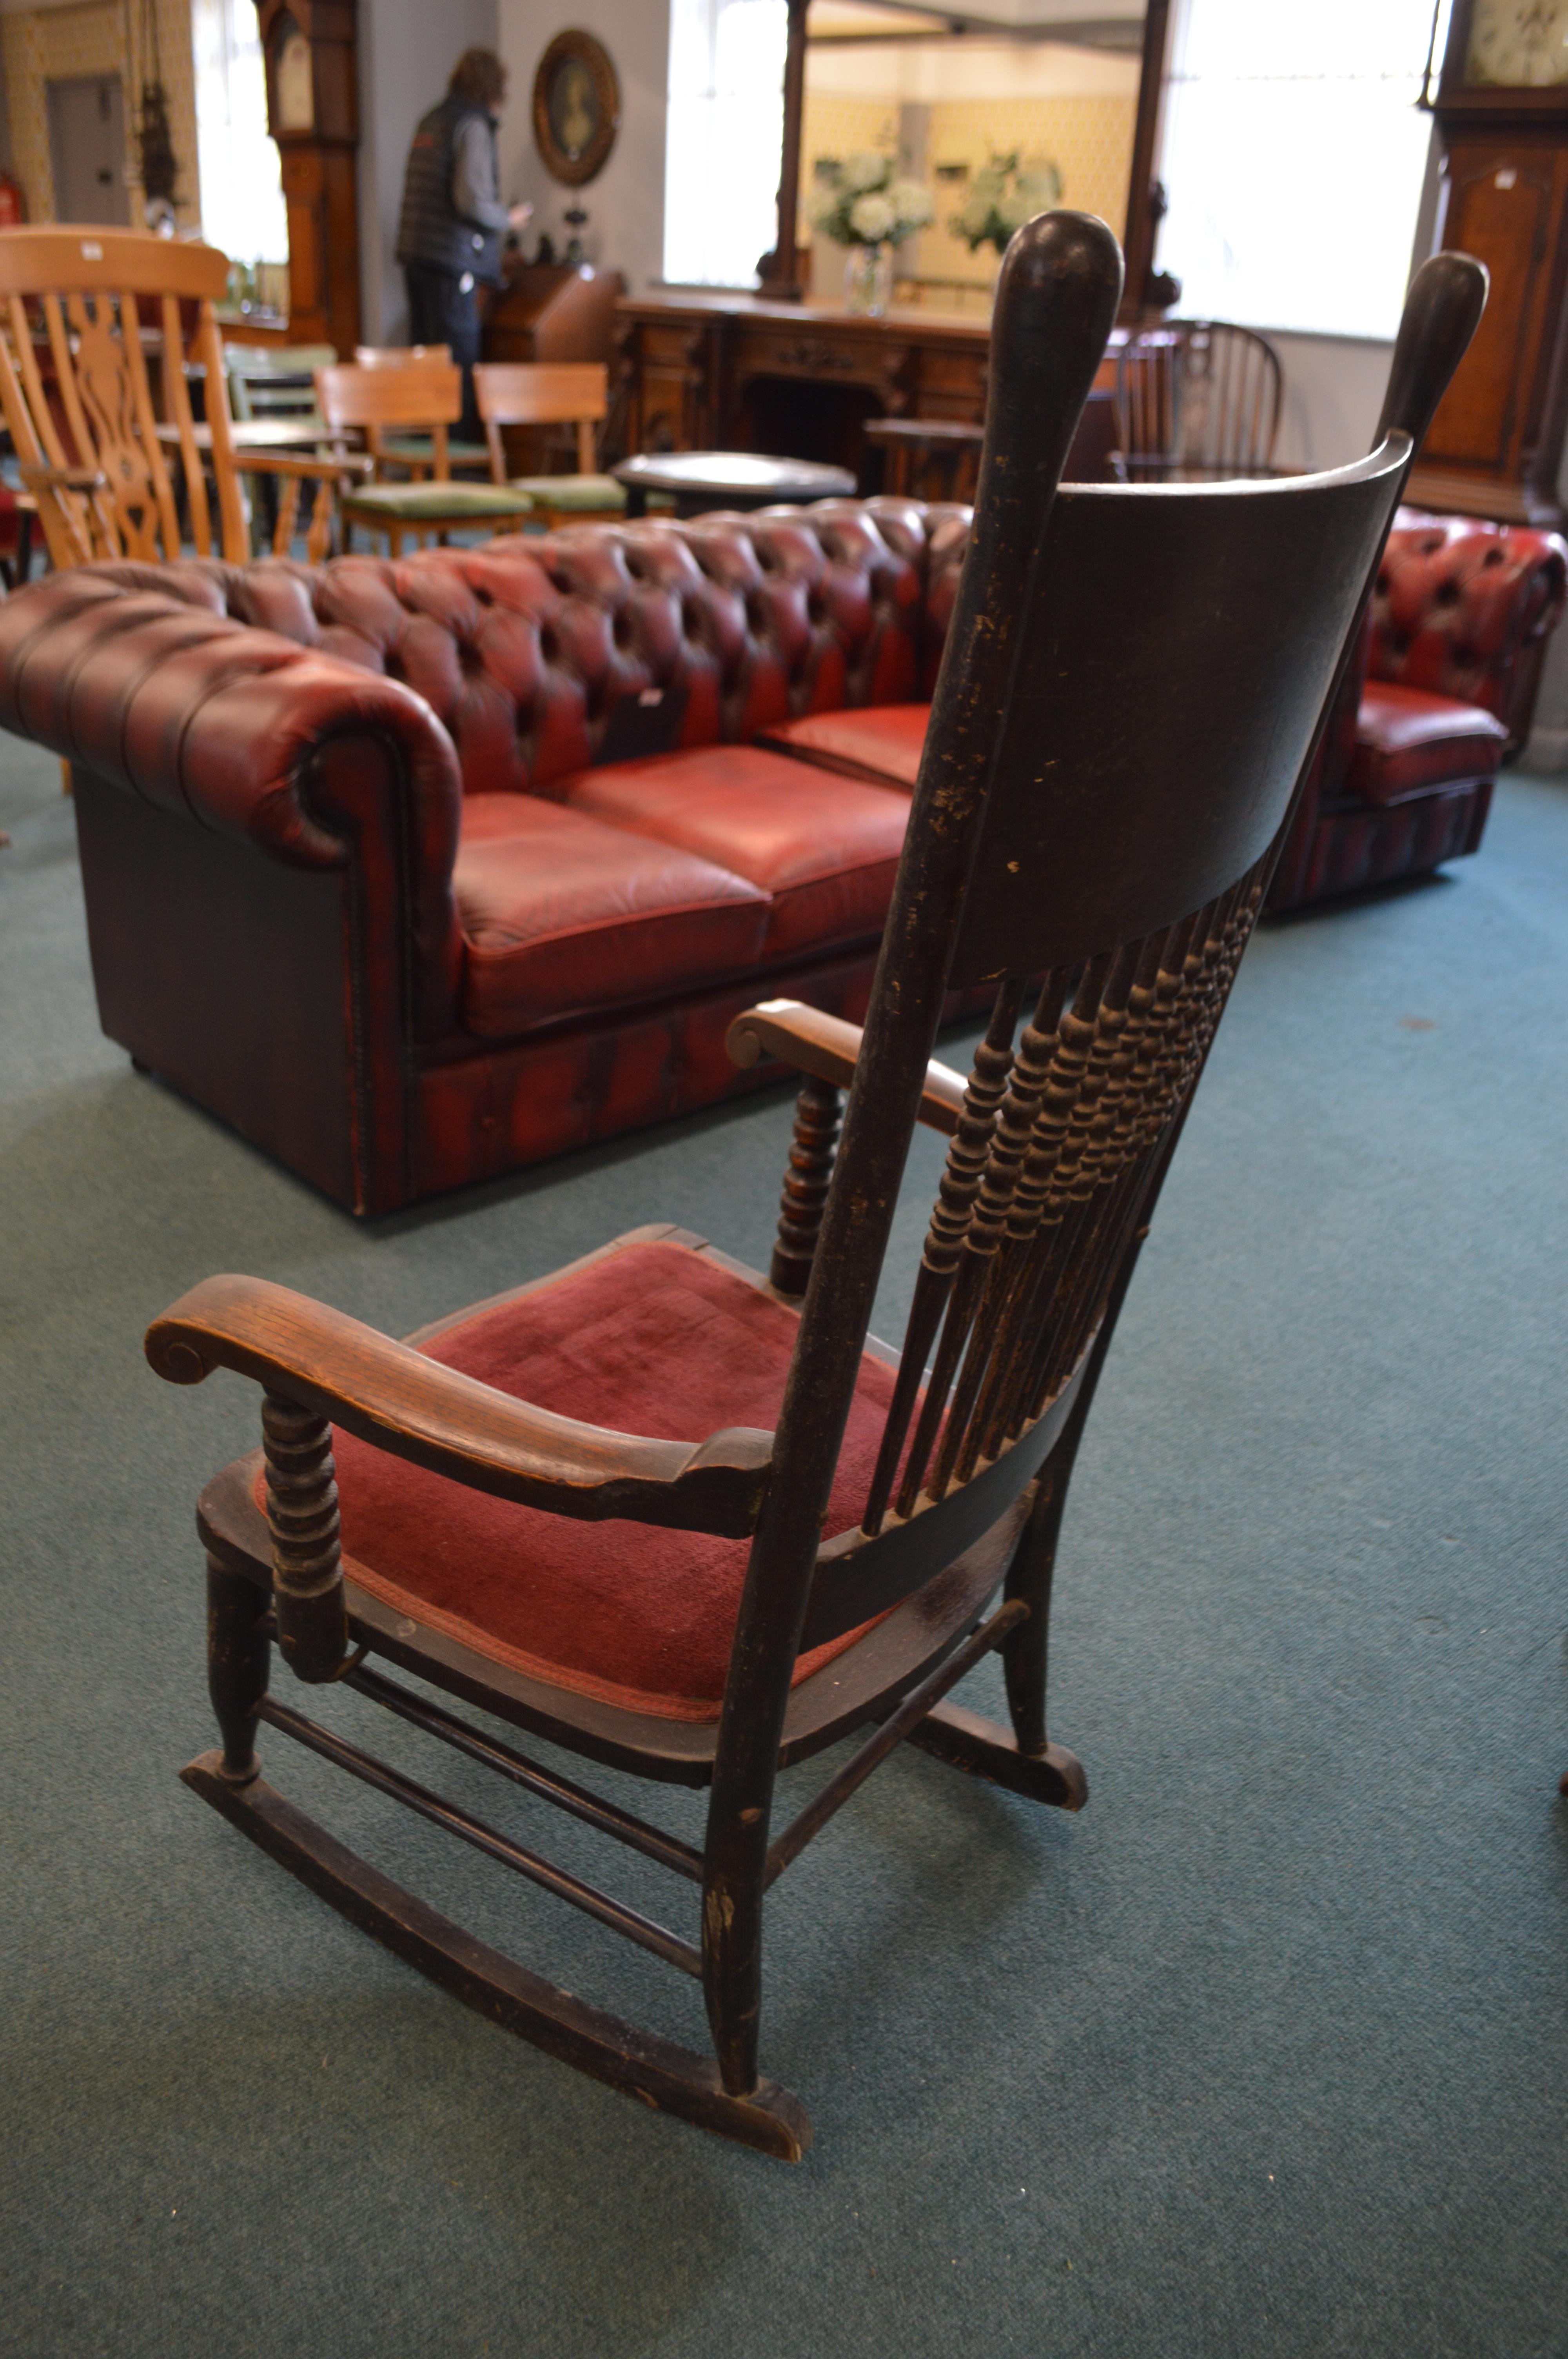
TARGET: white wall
(625,204)
(406,52)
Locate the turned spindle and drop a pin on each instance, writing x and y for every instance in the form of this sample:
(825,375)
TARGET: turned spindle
(306,1559)
(806,1183)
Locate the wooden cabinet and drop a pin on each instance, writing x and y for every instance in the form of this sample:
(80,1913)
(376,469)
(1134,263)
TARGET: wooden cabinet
(795,380)
(546,312)
(1495,448)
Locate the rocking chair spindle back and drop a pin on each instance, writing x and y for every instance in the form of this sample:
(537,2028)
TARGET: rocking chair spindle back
(1127,704)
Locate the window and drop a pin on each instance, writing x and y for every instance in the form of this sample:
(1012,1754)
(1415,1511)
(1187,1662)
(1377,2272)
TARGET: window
(724,138)
(1294,155)
(237,163)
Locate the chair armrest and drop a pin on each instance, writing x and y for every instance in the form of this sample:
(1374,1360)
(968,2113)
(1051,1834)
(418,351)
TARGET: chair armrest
(294,463)
(33,473)
(829,1049)
(394,1396)
(146,680)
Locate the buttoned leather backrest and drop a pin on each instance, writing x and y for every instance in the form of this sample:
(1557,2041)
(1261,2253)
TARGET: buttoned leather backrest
(524,647)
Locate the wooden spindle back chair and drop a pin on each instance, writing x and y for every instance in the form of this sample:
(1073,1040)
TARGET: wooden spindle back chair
(1196,401)
(88,319)
(1132,686)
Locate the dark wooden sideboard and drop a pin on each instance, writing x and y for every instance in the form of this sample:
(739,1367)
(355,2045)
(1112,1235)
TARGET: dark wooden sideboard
(726,372)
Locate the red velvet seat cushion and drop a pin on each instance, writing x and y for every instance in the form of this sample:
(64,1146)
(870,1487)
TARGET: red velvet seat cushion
(561,915)
(1408,742)
(882,743)
(649,1338)
(824,848)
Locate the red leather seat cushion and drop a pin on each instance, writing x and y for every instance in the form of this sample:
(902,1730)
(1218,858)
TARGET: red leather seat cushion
(561,915)
(822,847)
(651,1338)
(1408,742)
(882,743)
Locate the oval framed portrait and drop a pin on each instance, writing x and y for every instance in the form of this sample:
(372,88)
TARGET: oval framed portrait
(577,107)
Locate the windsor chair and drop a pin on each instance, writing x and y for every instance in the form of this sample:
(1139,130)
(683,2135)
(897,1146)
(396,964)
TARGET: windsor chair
(1132,685)
(1196,401)
(89,318)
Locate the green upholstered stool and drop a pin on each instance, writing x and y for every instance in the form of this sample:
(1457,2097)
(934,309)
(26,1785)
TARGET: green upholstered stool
(420,509)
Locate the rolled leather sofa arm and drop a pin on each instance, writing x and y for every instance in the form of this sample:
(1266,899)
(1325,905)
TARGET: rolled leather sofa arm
(137,674)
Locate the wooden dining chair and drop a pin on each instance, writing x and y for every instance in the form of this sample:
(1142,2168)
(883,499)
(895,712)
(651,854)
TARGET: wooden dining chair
(415,451)
(552,393)
(427,395)
(690,1521)
(1196,401)
(94,356)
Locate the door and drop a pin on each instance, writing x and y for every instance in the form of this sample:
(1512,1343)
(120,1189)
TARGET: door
(87,150)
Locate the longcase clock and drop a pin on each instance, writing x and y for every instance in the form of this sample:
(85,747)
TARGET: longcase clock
(1496,444)
(312,112)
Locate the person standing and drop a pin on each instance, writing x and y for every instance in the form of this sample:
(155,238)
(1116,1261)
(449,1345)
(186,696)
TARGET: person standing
(450,229)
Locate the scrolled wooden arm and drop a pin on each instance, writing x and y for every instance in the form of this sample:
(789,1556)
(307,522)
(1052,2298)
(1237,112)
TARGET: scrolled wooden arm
(829,1048)
(392,1396)
(34,473)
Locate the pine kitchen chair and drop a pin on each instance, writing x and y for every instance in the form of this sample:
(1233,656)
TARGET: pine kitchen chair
(427,395)
(687,1521)
(89,318)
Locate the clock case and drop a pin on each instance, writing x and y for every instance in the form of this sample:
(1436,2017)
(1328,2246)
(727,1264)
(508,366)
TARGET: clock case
(1495,448)
(319,170)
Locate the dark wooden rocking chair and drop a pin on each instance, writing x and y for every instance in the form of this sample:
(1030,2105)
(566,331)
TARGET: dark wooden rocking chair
(1132,686)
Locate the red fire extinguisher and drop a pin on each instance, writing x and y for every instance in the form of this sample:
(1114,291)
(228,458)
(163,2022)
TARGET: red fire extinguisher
(13,203)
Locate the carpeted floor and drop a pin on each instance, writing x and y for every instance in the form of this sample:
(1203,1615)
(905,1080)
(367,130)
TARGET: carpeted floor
(1264,2053)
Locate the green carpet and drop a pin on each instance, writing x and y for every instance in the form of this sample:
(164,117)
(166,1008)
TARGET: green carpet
(1264,2053)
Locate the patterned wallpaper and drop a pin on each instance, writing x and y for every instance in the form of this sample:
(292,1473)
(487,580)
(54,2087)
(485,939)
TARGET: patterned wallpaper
(1089,138)
(46,45)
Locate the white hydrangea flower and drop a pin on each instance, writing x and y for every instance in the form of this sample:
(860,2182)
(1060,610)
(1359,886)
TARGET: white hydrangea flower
(871,218)
(911,201)
(867,170)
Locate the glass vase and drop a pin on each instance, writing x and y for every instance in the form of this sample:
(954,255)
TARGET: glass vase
(868,281)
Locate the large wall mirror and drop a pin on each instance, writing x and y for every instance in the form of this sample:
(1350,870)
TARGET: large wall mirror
(994,111)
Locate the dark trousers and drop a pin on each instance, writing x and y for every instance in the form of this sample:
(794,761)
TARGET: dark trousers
(441,312)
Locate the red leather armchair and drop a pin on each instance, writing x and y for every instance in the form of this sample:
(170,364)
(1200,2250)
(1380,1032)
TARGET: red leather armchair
(1442,690)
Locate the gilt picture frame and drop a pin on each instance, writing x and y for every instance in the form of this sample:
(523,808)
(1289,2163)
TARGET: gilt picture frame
(577,108)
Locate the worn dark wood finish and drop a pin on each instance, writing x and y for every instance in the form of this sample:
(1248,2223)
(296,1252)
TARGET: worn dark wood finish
(670,2078)
(393,1395)
(817,1116)
(1133,685)
(307,1552)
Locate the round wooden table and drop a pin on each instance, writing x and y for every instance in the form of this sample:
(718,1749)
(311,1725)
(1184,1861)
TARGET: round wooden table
(700,480)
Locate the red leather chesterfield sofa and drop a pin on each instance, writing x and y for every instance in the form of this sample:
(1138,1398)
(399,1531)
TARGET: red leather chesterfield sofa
(356,883)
